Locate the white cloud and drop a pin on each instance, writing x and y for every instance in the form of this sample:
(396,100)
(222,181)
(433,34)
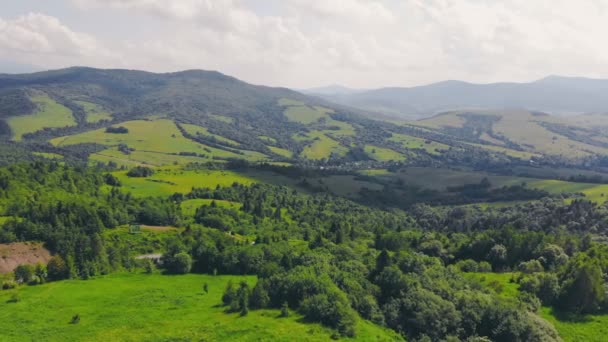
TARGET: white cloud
(302,43)
(41,39)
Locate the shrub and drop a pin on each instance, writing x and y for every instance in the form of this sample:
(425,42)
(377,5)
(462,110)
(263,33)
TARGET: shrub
(140,171)
(8,284)
(57,268)
(117,130)
(24,274)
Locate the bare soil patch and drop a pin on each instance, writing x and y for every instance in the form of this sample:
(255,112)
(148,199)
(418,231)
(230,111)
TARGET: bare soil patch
(18,253)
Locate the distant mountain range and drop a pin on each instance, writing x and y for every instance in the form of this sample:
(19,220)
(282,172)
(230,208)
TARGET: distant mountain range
(553,94)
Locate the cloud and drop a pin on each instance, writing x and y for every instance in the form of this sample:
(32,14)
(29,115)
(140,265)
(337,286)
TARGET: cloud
(38,39)
(301,43)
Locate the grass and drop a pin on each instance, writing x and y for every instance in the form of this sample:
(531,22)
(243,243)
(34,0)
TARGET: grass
(321,146)
(142,158)
(573,328)
(153,140)
(168,181)
(593,192)
(138,307)
(48,155)
(281,151)
(189,206)
(94,112)
(383,154)
(222,118)
(306,114)
(48,114)
(198,130)
(499,282)
(411,142)
(156,135)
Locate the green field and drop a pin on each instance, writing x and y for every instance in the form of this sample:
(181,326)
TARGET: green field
(204,132)
(48,114)
(594,192)
(383,154)
(281,151)
(410,142)
(138,307)
(167,181)
(155,142)
(48,155)
(322,146)
(505,287)
(588,328)
(94,112)
(189,206)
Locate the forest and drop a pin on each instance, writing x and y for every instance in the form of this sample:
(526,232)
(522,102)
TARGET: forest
(332,260)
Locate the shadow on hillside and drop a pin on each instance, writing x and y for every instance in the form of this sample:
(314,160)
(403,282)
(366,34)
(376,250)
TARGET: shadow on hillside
(570,317)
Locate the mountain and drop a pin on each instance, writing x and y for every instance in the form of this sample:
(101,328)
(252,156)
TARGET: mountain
(553,94)
(331,90)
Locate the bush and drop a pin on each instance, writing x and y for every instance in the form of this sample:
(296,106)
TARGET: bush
(24,274)
(57,268)
(182,263)
(8,284)
(117,130)
(140,171)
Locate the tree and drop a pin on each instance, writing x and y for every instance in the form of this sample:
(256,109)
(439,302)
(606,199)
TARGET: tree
(583,291)
(181,263)
(259,296)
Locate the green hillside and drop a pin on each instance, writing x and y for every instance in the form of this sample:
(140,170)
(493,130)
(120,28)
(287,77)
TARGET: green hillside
(142,307)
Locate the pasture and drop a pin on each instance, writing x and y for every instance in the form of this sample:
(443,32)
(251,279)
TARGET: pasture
(48,114)
(94,112)
(150,307)
(167,181)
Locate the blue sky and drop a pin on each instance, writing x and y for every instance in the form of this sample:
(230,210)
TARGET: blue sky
(308,43)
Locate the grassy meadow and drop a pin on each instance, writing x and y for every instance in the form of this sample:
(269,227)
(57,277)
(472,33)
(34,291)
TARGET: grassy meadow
(94,112)
(150,307)
(169,180)
(48,114)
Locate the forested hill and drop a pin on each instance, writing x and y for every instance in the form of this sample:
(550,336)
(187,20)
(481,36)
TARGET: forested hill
(132,93)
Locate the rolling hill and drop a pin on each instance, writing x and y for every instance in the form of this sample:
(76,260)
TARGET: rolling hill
(553,94)
(131,117)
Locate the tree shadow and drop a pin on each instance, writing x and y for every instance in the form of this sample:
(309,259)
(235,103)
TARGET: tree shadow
(571,317)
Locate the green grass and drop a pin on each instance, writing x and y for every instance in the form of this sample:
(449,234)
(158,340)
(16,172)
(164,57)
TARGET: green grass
(168,181)
(48,155)
(281,151)
(383,154)
(222,118)
(572,328)
(290,102)
(189,206)
(321,146)
(48,114)
(138,307)
(153,141)
(94,112)
(156,135)
(593,192)
(198,130)
(305,114)
(506,288)
(142,158)
(410,142)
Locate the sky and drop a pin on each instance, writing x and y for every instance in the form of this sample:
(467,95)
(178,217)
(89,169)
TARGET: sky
(311,43)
